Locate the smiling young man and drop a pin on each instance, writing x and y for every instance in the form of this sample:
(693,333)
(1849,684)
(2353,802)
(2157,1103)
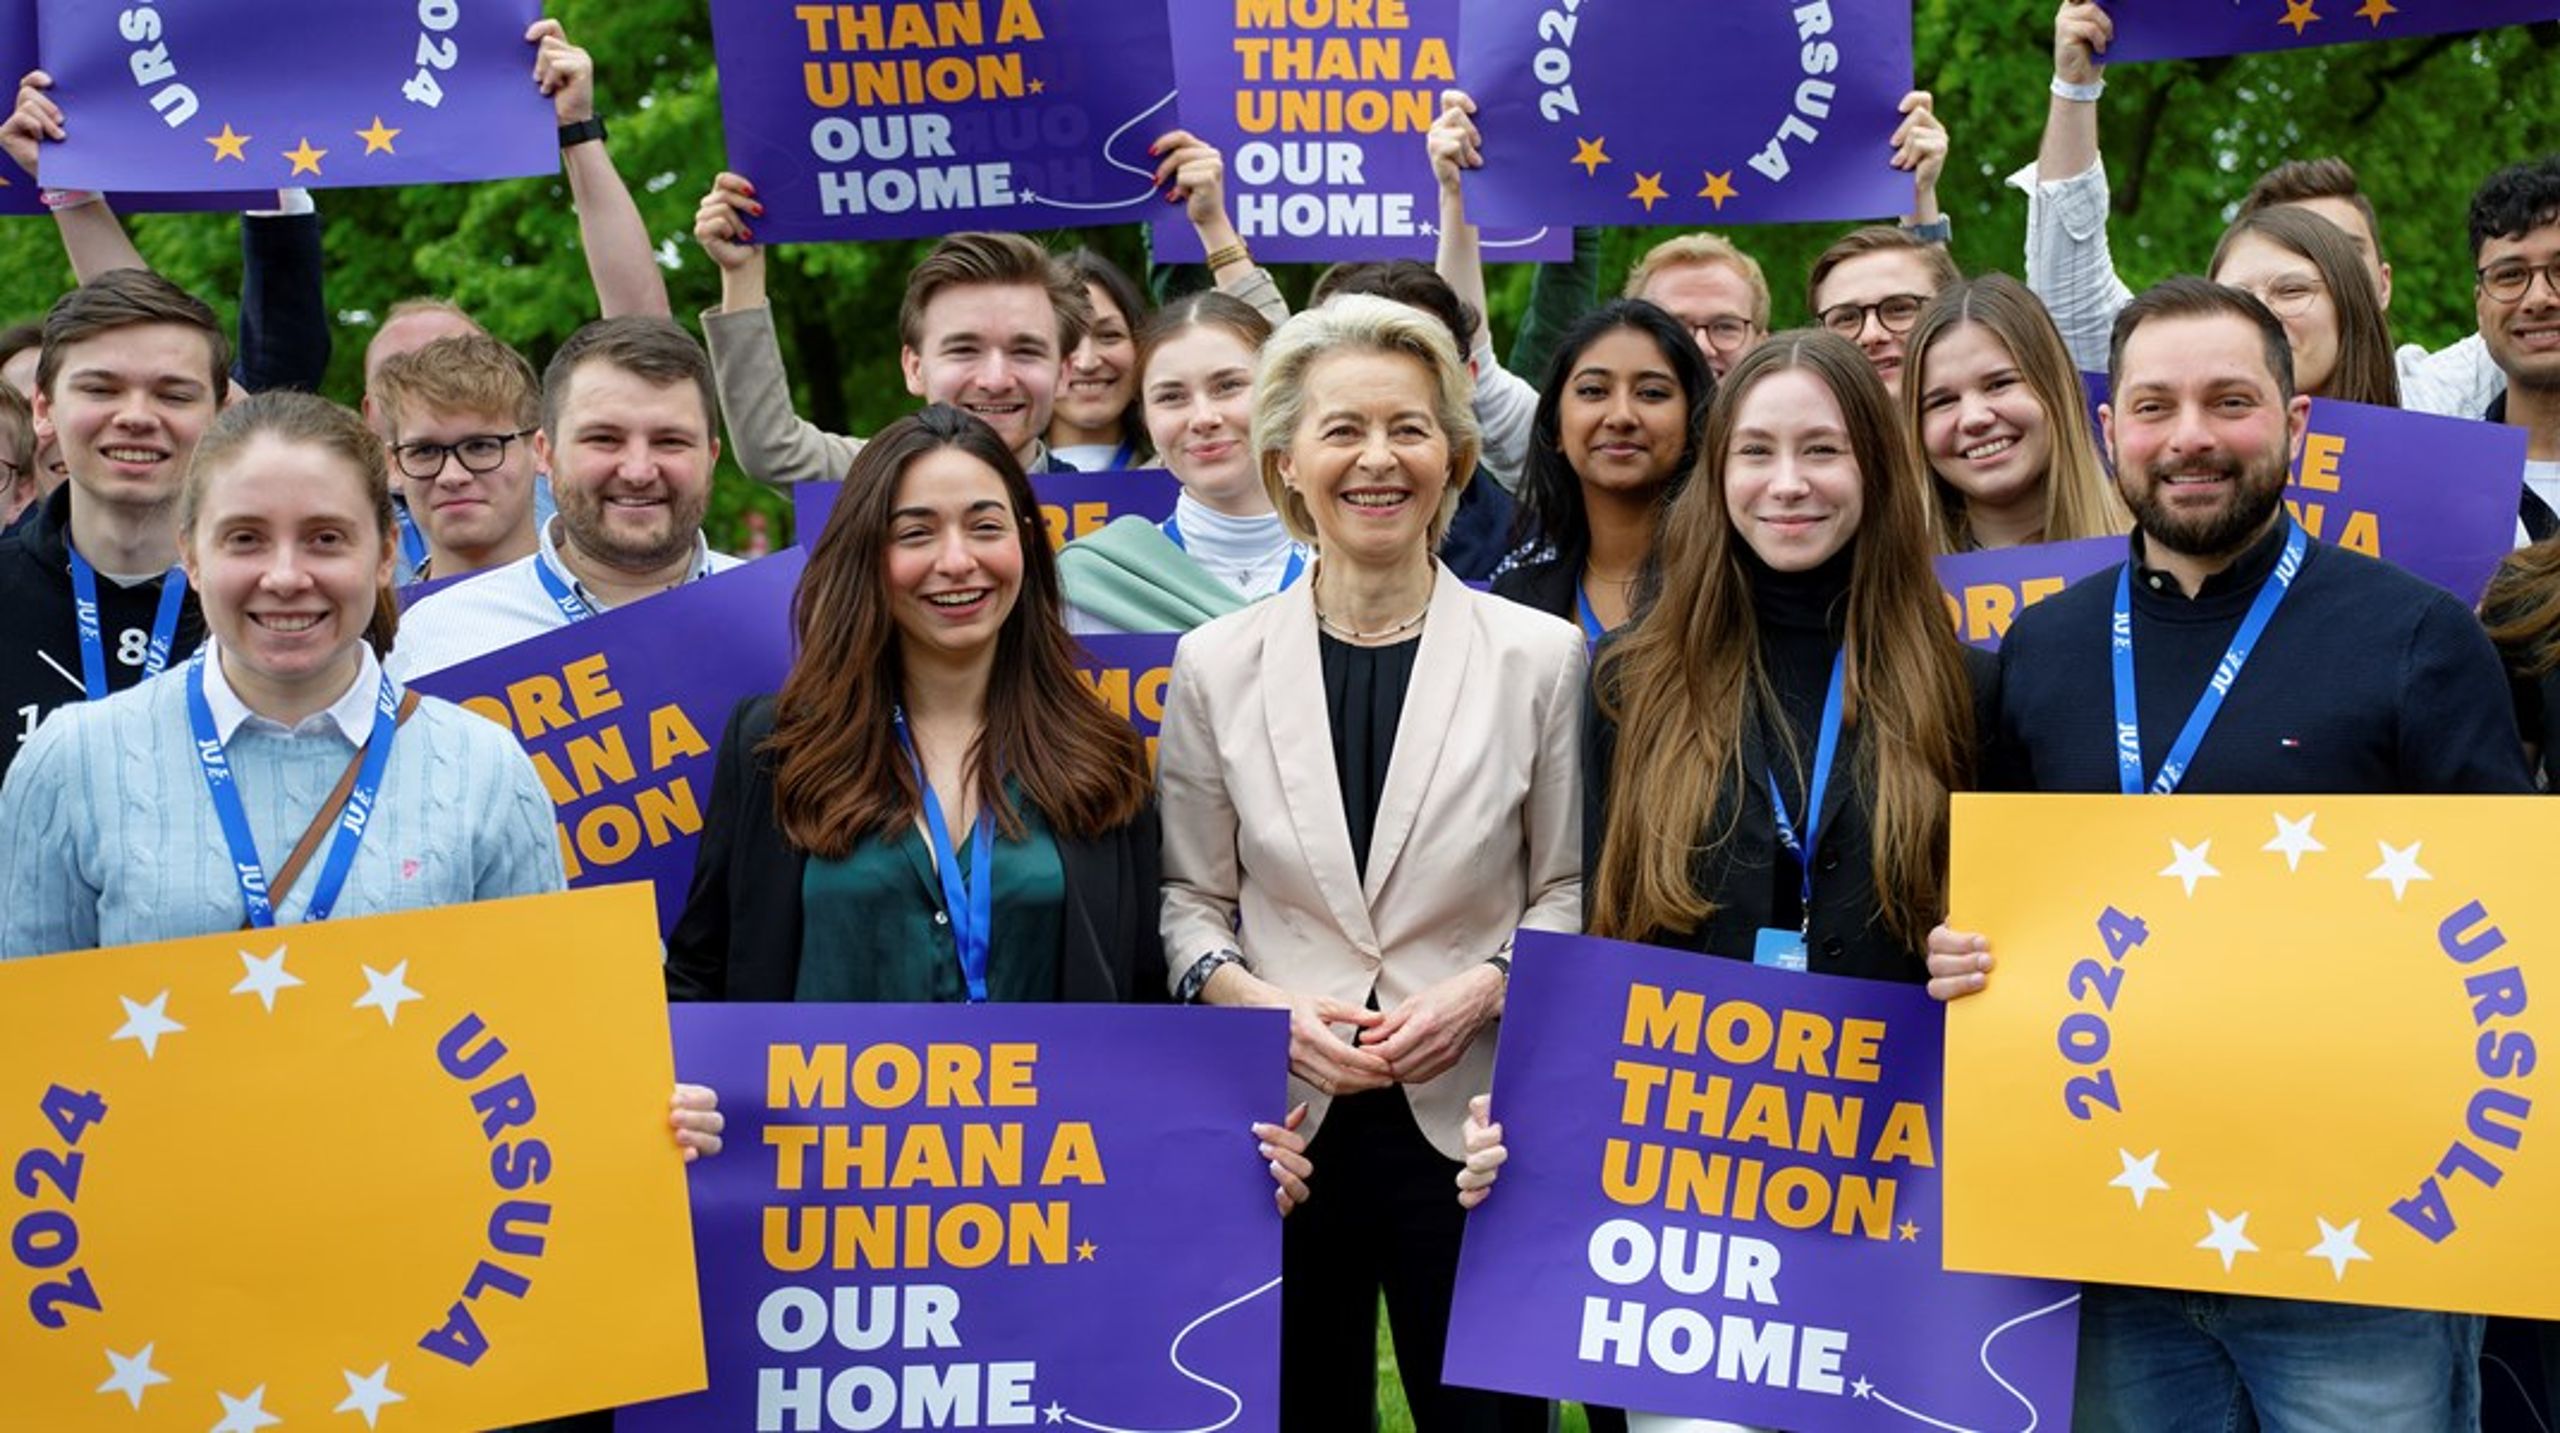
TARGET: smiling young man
(2349,676)
(627,435)
(460,414)
(2515,251)
(133,370)
(985,326)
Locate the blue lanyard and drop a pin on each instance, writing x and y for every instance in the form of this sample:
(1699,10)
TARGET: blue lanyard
(1289,575)
(2128,714)
(254,896)
(971,907)
(1127,455)
(93,641)
(571,605)
(413,543)
(1817,783)
(1591,628)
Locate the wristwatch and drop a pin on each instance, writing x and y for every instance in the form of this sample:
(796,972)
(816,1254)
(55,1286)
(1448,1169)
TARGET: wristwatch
(591,128)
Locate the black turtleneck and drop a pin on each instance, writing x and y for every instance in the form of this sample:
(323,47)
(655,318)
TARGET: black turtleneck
(1801,616)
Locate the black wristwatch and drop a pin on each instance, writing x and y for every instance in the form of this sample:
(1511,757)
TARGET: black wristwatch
(591,128)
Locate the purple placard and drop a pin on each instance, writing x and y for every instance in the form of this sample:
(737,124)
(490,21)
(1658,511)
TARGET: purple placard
(1322,127)
(1103,1251)
(1073,504)
(1649,1098)
(1130,672)
(898,121)
(1751,114)
(1987,590)
(18,189)
(265,94)
(622,715)
(2181,29)
(2434,495)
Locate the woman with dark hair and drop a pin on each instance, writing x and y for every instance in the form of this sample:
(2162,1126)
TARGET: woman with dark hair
(1096,423)
(1767,764)
(1615,436)
(1997,414)
(1225,545)
(934,806)
(2308,273)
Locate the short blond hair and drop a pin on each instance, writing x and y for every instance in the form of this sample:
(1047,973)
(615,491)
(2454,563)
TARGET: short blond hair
(1359,323)
(473,373)
(1683,250)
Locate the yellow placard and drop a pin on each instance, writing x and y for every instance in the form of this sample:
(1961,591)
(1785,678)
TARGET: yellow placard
(407,1172)
(2276,1045)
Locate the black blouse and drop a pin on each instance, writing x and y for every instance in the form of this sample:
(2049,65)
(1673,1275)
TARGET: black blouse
(1364,690)
(1802,617)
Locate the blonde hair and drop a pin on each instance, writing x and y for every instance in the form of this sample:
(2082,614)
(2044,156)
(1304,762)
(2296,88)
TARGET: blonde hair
(470,373)
(1685,250)
(1359,323)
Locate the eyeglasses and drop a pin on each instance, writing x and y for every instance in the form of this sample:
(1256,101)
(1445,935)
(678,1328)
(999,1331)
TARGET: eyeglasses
(1896,312)
(2287,297)
(479,453)
(2509,281)
(1724,335)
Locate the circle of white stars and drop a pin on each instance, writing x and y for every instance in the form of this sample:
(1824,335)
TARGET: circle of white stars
(147,1024)
(2140,1176)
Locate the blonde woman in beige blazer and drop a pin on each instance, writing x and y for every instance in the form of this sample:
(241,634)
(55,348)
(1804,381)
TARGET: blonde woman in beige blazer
(1367,784)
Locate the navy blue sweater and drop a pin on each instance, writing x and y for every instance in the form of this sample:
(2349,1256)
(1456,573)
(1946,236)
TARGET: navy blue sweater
(2368,682)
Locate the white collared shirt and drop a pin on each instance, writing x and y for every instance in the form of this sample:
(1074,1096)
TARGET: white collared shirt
(503,606)
(350,716)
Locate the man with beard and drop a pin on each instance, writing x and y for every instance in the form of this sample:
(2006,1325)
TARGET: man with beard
(2243,657)
(628,437)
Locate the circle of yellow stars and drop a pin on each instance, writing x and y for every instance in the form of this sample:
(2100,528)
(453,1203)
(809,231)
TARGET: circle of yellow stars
(305,156)
(1591,154)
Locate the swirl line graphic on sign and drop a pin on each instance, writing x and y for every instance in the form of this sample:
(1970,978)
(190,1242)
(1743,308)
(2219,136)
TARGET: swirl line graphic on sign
(1148,175)
(1173,1355)
(2035,1416)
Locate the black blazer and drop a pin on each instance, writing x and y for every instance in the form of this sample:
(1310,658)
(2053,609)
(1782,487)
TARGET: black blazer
(1846,934)
(1551,586)
(739,936)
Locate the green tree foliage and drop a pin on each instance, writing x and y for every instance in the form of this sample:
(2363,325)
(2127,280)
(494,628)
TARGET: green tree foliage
(2422,120)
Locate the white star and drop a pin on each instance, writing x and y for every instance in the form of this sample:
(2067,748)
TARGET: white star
(266,976)
(368,1395)
(2399,867)
(132,1375)
(2189,864)
(387,992)
(2230,1237)
(245,1415)
(2140,1175)
(1055,1413)
(2293,838)
(1862,1388)
(147,1023)
(2338,1246)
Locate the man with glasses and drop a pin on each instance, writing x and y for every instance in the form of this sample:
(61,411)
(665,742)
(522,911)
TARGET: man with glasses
(457,414)
(1869,288)
(2515,251)
(1714,289)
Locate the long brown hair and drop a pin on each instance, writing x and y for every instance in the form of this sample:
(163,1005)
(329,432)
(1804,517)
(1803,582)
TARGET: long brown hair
(839,773)
(290,417)
(2078,500)
(2366,371)
(2522,608)
(1687,675)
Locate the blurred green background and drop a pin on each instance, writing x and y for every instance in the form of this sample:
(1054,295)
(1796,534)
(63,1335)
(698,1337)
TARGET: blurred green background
(2422,120)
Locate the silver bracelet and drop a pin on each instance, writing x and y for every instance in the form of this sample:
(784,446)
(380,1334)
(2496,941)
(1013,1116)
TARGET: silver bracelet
(1196,979)
(2082,94)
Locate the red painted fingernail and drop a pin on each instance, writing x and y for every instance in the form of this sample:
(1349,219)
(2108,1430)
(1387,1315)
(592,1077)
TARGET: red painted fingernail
(756,207)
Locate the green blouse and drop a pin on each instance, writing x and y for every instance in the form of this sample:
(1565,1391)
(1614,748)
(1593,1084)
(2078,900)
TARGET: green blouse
(873,928)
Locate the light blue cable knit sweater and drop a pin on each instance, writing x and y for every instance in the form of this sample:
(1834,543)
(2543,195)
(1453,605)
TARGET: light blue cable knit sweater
(108,837)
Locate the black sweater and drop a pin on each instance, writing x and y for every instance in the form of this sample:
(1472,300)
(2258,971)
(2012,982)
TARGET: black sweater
(2367,682)
(40,628)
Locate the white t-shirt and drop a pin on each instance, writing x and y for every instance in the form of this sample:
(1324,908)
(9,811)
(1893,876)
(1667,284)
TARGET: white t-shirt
(500,608)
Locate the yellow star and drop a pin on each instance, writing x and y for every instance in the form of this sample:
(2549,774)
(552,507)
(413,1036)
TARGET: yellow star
(306,160)
(377,140)
(1648,188)
(1589,154)
(2374,10)
(1038,86)
(1085,1250)
(1909,1231)
(230,144)
(2300,15)
(1719,188)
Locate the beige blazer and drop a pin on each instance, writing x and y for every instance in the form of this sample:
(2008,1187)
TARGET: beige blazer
(1479,828)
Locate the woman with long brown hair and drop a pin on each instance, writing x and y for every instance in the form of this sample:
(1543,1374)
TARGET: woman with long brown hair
(1995,410)
(2308,273)
(934,807)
